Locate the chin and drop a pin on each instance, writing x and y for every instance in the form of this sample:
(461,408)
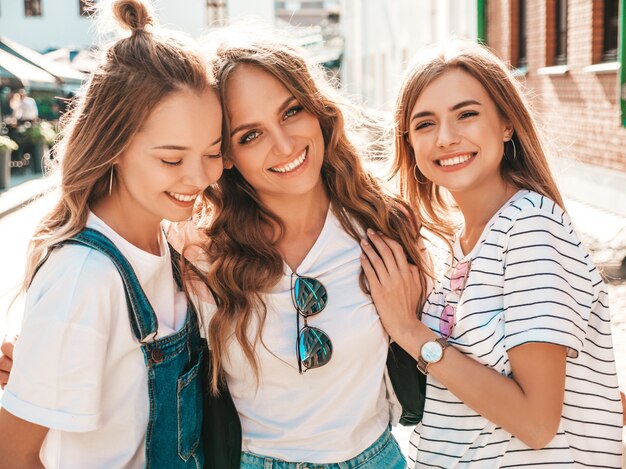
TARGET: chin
(178,217)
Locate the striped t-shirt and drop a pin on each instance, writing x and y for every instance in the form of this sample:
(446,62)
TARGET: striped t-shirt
(530,281)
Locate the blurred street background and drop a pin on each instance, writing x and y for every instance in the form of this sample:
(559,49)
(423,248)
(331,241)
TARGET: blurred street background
(567,54)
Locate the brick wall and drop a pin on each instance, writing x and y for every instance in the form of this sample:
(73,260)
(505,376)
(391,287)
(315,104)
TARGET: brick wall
(578,110)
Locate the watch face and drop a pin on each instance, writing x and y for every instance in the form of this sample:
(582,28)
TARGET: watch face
(432,351)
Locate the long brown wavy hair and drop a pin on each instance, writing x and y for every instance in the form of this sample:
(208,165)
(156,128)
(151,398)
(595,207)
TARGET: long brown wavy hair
(136,73)
(524,166)
(244,261)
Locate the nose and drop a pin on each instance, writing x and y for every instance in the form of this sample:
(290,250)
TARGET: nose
(283,143)
(447,135)
(197,173)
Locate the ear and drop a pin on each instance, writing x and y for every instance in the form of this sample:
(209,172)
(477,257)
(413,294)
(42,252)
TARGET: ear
(508,132)
(228,164)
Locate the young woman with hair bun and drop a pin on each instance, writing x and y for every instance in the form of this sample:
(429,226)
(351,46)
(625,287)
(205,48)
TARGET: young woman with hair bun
(108,369)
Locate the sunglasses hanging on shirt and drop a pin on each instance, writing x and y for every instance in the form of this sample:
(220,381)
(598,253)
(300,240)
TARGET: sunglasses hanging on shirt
(313,347)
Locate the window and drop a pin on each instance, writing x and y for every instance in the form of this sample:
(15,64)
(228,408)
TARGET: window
(609,29)
(85,7)
(523,60)
(518,33)
(32,7)
(560,43)
(216,12)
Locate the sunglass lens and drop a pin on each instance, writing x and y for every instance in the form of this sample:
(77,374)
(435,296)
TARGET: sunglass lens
(446,321)
(314,347)
(459,275)
(310,295)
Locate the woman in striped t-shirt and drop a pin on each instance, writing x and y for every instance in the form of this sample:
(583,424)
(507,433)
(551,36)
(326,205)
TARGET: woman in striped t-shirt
(515,339)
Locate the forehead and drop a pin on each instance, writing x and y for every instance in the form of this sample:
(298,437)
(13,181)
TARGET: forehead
(184,115)
(452,87)
(250,86)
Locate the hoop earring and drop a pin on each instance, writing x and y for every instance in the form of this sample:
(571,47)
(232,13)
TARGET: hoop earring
(415,176)
(110,181)
(514,157)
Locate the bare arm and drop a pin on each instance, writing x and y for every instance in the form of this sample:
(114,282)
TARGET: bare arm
(6,360)
(528,404)
(20,442)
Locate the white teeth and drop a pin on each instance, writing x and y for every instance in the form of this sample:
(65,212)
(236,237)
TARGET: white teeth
(293,165)
(183,197)
(456,160)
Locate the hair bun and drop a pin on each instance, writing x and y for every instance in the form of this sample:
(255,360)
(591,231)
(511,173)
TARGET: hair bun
(133,15)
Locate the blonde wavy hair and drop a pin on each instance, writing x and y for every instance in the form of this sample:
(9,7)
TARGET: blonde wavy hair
(136,73)
(245,262)
(526,167)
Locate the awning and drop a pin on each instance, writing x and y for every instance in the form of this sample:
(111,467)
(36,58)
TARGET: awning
(63,73)
(24,74)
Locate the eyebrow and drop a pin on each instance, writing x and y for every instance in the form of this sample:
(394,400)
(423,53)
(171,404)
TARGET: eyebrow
(182,148)
(285,104)
(467,102)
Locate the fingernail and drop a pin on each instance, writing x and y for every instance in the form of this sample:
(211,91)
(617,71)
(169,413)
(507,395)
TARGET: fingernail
(379,233)
(364,242)
(371,232)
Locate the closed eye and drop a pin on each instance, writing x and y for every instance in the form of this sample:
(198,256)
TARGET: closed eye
(172,163)
(214,155)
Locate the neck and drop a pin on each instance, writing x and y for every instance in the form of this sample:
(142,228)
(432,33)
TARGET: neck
(303,220)
(478,206)
(139,229)
(301,214)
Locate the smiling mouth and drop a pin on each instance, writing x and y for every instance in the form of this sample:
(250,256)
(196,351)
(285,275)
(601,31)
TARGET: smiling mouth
(293,164)
(459,159)
(182,197)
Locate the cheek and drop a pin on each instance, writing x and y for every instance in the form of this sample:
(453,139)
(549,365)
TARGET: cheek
(214,170)
(419,147)
(247,167)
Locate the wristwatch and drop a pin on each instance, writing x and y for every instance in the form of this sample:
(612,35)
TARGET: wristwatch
(431,352)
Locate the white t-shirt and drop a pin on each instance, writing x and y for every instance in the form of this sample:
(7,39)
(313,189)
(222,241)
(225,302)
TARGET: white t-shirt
(78,368)
(530,281)
(327,414)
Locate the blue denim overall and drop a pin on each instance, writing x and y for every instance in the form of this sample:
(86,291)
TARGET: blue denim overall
(174,365)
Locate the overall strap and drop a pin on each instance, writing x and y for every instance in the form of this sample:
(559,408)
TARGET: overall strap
(142,317)
(176,266)
(178,277)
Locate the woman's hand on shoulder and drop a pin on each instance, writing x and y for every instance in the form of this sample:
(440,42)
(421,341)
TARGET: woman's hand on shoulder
(394,284)
(6,359)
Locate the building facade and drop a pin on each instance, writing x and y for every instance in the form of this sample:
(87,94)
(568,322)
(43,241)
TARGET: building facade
(53,24)
(381,36)
(566,54)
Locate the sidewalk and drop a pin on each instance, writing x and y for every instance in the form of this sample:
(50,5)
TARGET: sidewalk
(24,190)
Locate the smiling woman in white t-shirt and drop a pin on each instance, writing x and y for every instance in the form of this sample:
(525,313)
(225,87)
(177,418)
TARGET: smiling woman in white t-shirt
(107,371)
(293,335)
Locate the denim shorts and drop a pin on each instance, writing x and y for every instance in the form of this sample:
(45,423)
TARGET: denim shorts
(384,453)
